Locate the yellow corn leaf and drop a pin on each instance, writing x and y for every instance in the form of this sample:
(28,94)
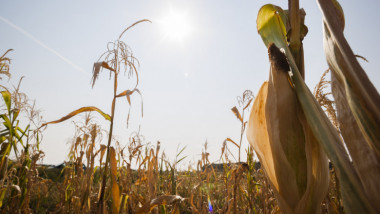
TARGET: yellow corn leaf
(115,193)
(7,99)
(4,165)
(2,194)
(83,109)
(270,25)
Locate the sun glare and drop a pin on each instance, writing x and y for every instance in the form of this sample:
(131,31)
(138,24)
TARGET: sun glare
(176,25)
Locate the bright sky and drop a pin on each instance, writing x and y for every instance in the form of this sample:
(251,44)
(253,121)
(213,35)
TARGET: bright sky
(189,79)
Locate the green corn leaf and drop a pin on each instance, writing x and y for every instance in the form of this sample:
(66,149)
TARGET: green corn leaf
(7,123)
(7,99)
(271,29)
(2,195)
(270,25)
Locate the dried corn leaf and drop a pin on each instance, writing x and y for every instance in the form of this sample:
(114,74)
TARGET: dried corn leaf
(249,103)
(140,180)
(230,140)
(4,64)
(237,113)
(128,94)
(102,150)
(364,158)
(161,200)
(357,102)
(72,114)
(140,21)
(258,136)
(115,193)
(96,70)
(362,96)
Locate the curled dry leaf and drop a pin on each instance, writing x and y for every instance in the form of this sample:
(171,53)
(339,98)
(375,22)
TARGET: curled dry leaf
(4,64)
(140,21)
(83,109)
(96,70)
(230,140)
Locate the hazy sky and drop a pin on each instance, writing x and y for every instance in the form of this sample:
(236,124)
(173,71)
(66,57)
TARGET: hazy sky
(188,85)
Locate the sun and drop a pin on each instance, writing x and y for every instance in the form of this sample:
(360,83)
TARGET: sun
(176,25)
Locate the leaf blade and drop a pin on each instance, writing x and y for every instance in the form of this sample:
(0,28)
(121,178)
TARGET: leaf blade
(78,111)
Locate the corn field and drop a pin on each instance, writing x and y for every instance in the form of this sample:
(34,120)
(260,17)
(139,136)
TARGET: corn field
(309,152)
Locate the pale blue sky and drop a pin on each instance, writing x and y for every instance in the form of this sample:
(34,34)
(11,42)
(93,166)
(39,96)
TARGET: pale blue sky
(188,87)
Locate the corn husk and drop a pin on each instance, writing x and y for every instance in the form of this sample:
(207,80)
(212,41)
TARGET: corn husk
(291,157)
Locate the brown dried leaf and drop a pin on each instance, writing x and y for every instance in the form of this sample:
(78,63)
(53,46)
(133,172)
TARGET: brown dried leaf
(362,155)
(161,200)
(230,140)
(249,103)
(96,70)
(128,93)
(358,112)
(237,113)
(362,96)
(143,20)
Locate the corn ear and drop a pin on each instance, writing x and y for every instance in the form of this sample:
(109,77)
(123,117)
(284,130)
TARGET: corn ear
(293,161)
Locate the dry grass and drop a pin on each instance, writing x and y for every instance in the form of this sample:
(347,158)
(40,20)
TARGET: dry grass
(324,98)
